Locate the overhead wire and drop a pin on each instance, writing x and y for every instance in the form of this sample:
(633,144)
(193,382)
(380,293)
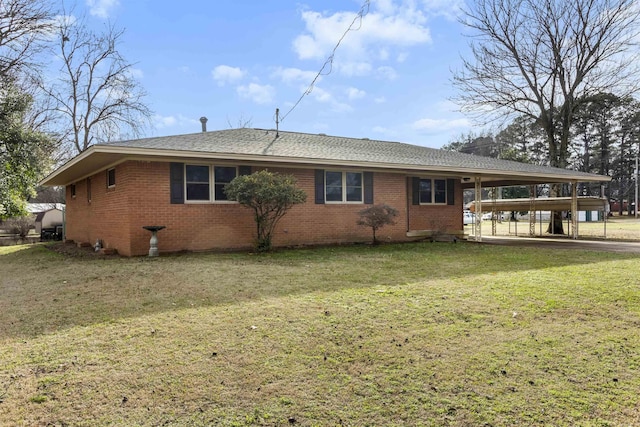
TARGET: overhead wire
(364,10)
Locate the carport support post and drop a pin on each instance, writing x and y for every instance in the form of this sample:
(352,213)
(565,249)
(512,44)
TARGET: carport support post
(574,209)
(478,210)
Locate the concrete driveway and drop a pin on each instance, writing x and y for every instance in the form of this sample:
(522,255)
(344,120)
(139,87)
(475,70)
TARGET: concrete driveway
(562,243)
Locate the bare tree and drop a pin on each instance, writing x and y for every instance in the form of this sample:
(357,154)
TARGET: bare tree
(540,58)
(96,97)
(24,25)
(241,123)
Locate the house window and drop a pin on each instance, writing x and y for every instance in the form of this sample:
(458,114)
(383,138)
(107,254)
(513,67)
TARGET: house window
(89,190)
(197,182)
(343,186)
(439,191)
(199,179)
(73,191)
(433,191)
(111,177)
(222,176)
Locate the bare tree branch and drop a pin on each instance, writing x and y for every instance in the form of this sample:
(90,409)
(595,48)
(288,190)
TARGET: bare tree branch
(24,25)
(541,58)
(96,95)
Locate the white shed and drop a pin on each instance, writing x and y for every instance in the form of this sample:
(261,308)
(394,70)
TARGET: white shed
(51,218)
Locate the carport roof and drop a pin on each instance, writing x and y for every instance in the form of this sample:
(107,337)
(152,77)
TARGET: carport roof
(268,147)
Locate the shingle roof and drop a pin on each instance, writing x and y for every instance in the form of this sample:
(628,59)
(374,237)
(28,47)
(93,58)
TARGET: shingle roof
(295,145)
(265,146)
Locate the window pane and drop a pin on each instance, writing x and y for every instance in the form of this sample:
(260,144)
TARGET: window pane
(354,194)
(334,194)
(425,191)
(224,174)
(111,177)
(220,193)
(197,173)
(197,177)
(334,179)
(198,191)
(354,186)
(440,192)
(333,186)
(354,179)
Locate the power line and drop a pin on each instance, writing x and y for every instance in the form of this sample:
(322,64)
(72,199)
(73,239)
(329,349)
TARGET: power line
(329,61)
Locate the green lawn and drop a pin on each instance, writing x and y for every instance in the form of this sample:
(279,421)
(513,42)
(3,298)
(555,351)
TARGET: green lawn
(616,228)
(430,334)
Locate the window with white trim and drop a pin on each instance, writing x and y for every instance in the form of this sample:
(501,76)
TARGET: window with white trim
(222,176)
(111,178)
(343,187)
(433,191)
(197,182)
(204,183)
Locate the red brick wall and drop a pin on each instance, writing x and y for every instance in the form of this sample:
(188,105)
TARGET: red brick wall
(141,197)
(106,216)
(437,217)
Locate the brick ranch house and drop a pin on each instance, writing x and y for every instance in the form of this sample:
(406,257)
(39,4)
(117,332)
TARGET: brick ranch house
(114,189)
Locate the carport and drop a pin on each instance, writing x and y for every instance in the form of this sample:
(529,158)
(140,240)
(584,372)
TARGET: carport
(532,204)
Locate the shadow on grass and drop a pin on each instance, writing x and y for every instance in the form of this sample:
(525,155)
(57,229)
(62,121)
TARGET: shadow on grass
(44,291)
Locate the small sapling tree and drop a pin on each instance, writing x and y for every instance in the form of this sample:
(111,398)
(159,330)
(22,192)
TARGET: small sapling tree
(20,226)
(270,195)
(376,217)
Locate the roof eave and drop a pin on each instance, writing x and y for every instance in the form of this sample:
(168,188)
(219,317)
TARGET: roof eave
(100,157)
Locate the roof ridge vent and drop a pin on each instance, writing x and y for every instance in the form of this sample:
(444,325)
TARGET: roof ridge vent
(322,134)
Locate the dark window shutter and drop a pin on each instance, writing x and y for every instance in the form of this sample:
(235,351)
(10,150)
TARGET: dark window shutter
(451,191)
(244,170)
(415,190)
(177,183)
(319,186)
(368,187)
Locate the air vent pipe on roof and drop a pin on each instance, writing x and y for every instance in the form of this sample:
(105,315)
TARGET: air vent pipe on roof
(203,120)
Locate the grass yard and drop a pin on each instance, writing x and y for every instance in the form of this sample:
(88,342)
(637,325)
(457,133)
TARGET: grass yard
(617,228)
(416,334)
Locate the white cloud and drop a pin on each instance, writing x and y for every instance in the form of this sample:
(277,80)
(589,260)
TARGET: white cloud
(440,124)
(380,100)
(101,8)
(402,56)
(388,26)
(260,94)
(136,73)
(354,93)
(184,69)
(224,74)
(354,68)
(387,73)
(295,75)
(162,122)
(321,95)
(450,9)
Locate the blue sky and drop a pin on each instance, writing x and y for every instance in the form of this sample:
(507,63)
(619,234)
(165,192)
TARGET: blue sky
(234,61)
